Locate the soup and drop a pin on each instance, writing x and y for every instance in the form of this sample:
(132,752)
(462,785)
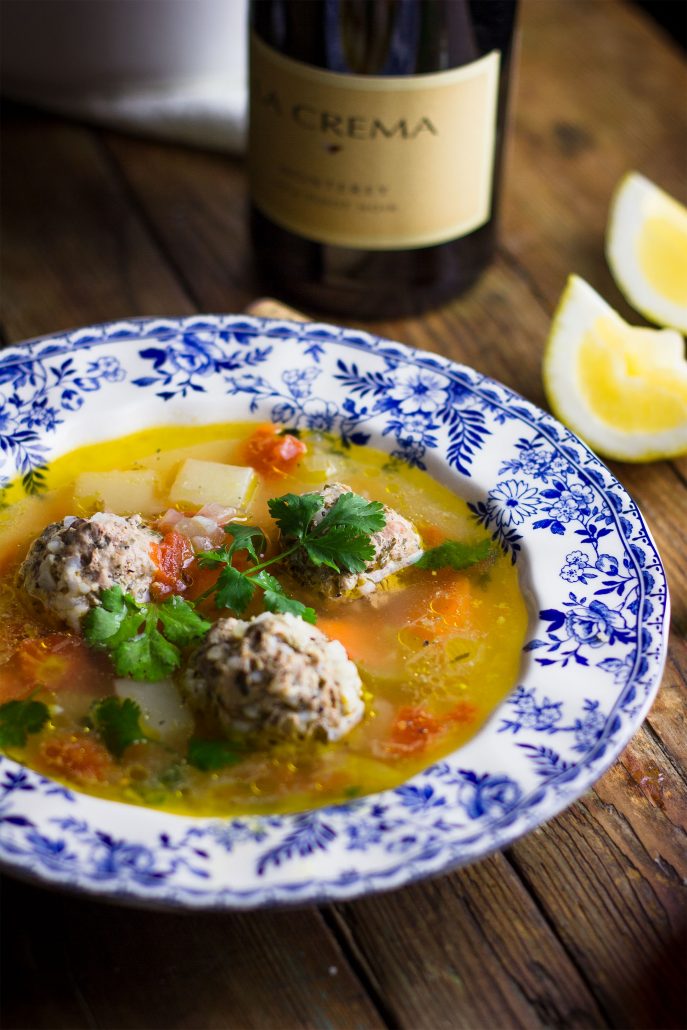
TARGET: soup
(435,643)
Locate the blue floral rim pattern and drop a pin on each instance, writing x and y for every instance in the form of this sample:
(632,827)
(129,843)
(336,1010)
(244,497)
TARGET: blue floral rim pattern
(599,604)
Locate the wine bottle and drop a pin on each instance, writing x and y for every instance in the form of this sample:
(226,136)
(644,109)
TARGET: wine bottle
(376,130)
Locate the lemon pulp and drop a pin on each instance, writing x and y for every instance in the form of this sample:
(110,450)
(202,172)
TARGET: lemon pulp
(646,247)
(622,388)
(625,382)
(662,247)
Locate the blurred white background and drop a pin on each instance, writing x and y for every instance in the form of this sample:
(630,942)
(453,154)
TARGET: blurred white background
(174,69)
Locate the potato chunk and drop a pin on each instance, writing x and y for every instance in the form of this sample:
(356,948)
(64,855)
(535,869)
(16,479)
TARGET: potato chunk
(122,493)
(163,710)
(207,482)
(165,464)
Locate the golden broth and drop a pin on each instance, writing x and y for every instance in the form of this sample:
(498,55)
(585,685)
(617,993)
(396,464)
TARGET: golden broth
(437,651)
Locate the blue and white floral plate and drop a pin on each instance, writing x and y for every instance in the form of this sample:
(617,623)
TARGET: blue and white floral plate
(598,605)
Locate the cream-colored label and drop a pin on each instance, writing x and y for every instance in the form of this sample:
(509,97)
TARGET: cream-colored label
(379,162)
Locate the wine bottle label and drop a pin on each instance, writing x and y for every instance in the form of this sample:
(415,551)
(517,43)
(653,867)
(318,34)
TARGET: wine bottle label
(378,162)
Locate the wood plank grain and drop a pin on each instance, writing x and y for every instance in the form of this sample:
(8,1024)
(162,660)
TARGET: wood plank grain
(613,102)
(74,252)
(607,100)
(71,962)
(468,950)
(650,795)
(620,913)
(196,204)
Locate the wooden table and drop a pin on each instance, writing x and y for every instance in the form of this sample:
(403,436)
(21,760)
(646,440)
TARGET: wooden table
(582,923)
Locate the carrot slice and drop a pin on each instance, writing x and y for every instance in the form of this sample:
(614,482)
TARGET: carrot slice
(452,602)
(432,536)
(448,609)
(360,640)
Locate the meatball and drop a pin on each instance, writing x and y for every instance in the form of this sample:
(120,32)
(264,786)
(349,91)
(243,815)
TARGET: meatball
(397,545)
(72,561)
(275,677)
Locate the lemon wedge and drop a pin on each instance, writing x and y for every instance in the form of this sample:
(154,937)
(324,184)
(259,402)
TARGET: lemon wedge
(646,248)
(622,389)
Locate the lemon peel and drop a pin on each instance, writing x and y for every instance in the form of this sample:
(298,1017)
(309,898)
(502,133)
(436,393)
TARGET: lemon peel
(621,388)
(646,249)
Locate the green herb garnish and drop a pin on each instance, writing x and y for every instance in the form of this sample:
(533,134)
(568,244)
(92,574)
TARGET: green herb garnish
(118,722)
(453,554)
(18,719)
(340,540)
(208,755)
(143,640)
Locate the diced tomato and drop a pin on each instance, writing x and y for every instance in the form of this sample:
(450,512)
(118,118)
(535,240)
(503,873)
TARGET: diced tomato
(414,728)
(272,452)
(80,758)
(172,556)
(412,731)
(57,662)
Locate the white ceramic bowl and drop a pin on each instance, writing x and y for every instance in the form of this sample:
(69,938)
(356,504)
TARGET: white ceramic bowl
(599,605)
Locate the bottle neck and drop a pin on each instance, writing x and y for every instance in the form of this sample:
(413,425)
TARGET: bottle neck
(385,37)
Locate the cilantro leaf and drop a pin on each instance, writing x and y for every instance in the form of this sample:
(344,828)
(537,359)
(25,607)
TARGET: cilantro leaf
(117,722)
(146,657)
(128,631)
(276,599)
(18,719)
(103,622)
(209,755)
(267,581)
(211,559)
(455,554)
(280,602)
(341,549)
(293,513)
(234,590)
(246,538)
(180,621)
(100,625)
(353,512)
(117,618)
(340,540)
